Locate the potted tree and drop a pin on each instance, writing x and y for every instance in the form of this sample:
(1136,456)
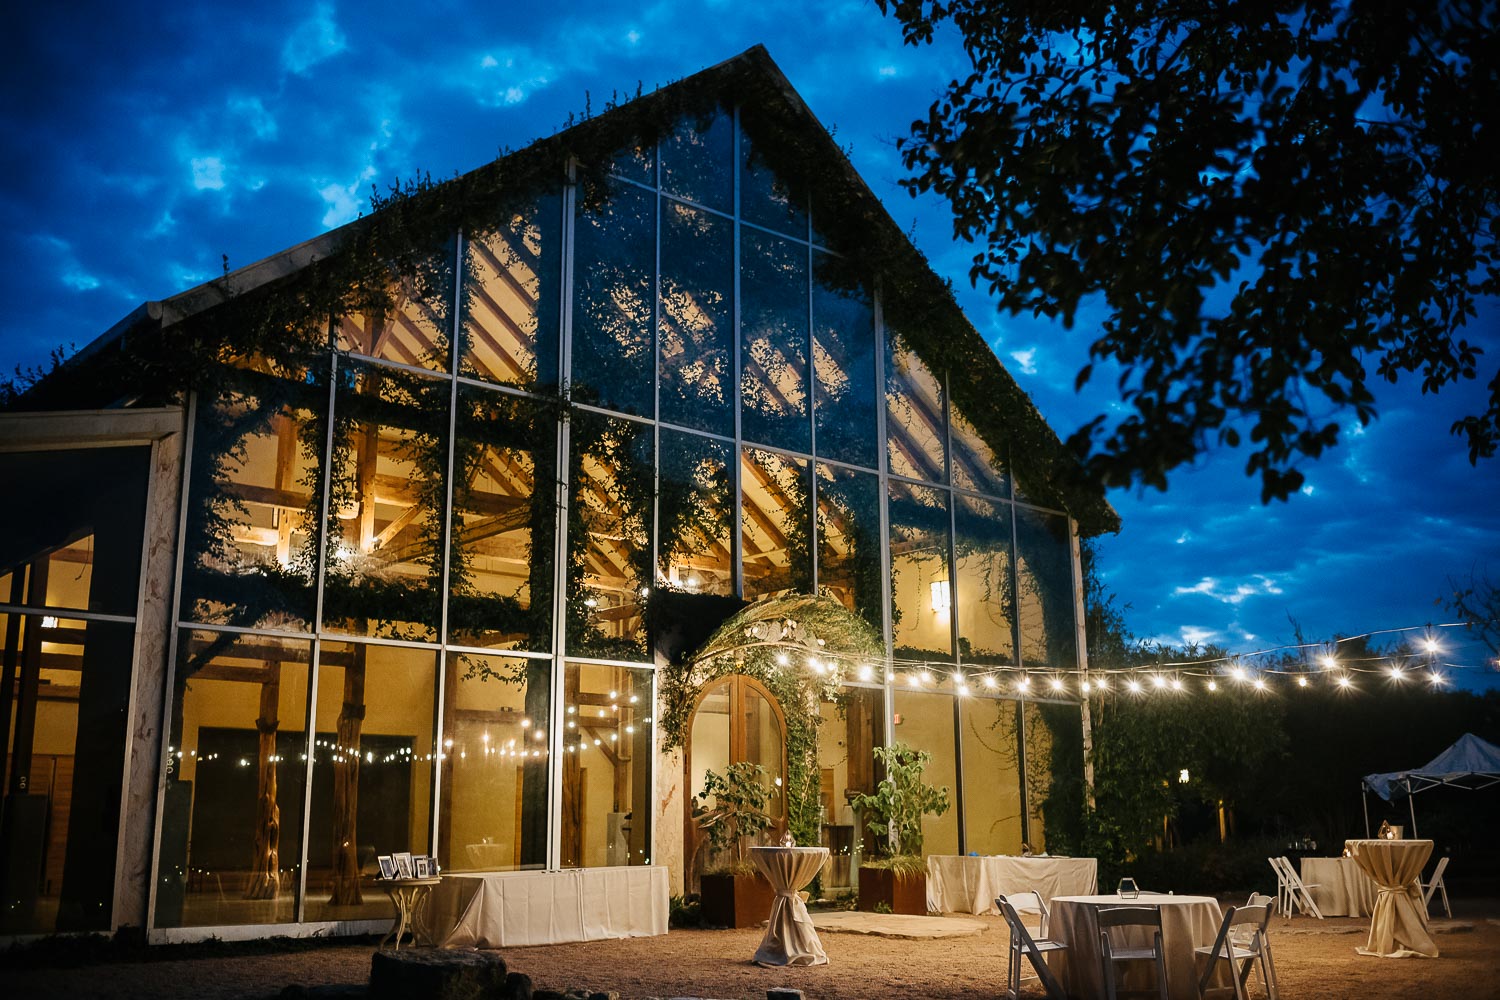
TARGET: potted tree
(895,878)
(732,892)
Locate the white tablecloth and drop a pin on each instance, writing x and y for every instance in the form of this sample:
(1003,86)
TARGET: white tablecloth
(1187,922)
(1398,925)
(1343,889)
(958,884)
(791,938)
(510,909)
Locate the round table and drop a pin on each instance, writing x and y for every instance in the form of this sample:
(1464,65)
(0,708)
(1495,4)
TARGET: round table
(1343,889)
(1187,922)
(410,897)
(791,938)
(1398,925)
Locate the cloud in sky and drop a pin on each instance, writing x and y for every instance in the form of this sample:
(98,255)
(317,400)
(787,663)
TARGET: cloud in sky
(208,173)
(312,41)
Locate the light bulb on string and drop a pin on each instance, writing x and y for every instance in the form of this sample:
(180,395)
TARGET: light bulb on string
(1176,683)
(1057,684)
(1024,683)
(990,682)
(1344,682)
(1260,683)
(1329,663)
(1302,682)
(926,676)
(1238,673)
(1213,685)
(865,672)
(1084,686)
(1158,680)
(1396,674)
(1102,683)
(1436,679)
(1134,686)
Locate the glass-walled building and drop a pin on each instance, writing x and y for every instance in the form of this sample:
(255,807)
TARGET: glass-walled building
(424,526)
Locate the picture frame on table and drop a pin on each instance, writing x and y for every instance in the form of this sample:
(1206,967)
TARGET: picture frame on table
(387,866)
(423,866)
(403,865)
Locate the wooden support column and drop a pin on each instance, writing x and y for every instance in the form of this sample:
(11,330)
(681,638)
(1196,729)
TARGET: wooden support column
(346,891)
(12,655)
(265,873)
(286,451)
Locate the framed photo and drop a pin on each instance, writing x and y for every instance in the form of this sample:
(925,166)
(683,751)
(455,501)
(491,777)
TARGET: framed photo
(403,865)
(387,866)
(423,866)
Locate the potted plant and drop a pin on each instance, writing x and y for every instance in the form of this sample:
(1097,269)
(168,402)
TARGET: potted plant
(732,893)
(895,878)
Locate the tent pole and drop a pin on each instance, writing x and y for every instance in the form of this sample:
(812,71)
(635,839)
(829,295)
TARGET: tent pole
(1411,803)
(1364,802)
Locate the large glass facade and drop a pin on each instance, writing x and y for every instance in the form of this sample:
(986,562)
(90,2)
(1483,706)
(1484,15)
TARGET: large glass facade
(417,573)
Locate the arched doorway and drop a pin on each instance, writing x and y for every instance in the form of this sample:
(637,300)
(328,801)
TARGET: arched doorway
(735,719)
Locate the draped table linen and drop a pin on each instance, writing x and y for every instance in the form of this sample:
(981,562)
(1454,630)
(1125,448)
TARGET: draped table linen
(1398,924)
(958,884)
(791,938)
(512,909)
(1343,888)
(1187,922)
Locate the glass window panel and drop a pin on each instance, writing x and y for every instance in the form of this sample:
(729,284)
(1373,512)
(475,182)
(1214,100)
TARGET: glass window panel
(606,767)
(849,541)
(385,509)
(765,199)
(992,776)
(921,598)
(695,508)
(697,318)
(372,773)
(775,524)
(512,296)
(924,721)
(614,270)
(916,441)
(773,342)
(1038,778)
(637,162)
(697,160)
(984,596)
(254,498)
(848,732)
(843,364)
(412,328)
(976,466)
(609,536)
(76,519)
(1044,585)
(500,573)
(494,791)
(231,828)
(67,684)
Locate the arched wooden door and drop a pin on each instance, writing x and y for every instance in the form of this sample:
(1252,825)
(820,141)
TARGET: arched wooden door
(735,719)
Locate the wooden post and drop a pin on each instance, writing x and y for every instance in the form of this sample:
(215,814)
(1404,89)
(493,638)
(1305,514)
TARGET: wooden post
(346,890)
(265,871)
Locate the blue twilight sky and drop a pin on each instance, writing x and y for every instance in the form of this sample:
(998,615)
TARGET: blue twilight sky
(142,142)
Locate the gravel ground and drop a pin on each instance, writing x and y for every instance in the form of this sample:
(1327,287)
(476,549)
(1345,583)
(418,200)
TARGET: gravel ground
(1313,959)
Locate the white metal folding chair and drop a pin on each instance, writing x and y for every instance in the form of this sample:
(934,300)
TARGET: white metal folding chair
(1297,890)
(1435,884)
(1023,945)
(1242,941)
(1281,887)
(1112,953)
(1019,900)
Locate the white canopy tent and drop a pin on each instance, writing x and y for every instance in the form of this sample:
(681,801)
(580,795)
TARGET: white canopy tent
(1470,763)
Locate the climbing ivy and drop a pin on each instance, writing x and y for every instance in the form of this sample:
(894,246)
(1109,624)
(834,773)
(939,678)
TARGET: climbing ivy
(738,647)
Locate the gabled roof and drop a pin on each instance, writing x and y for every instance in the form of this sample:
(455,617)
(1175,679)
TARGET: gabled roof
(915,300)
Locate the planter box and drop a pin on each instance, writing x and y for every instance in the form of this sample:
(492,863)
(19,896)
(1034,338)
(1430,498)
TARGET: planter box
(907,894)
(735,900)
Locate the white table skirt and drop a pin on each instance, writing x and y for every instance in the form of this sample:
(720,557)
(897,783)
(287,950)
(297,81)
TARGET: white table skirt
(791,938)
(958,884)
(1187,922)
(511,909)
(1343,889)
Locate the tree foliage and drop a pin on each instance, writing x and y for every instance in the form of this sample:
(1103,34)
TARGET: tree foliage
(895,809)
(1269,198)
